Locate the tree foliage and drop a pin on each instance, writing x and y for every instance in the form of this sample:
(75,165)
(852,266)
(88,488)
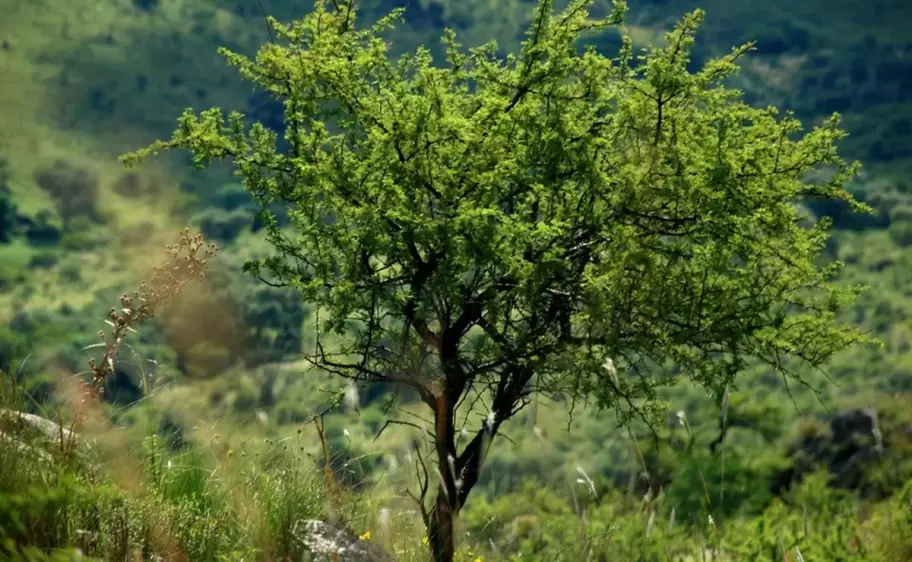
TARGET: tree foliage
(74,188)
(552,221)
(8,209)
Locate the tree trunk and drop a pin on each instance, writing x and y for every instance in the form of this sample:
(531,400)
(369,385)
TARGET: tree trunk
(441,531)
(458,475)
(450,497)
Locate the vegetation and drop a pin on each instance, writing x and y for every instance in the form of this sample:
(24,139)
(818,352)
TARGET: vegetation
(496,228)
(222,425)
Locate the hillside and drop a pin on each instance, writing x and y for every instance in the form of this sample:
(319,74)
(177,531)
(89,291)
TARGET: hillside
(83,82)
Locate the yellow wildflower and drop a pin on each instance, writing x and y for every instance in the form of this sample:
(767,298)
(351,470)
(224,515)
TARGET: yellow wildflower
(365,536)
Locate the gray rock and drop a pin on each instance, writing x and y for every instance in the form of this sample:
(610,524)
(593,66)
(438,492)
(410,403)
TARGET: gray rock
(30,425)
(326,543)
(31,434)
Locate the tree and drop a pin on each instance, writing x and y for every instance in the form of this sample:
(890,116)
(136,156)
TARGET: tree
(9,215)
(223,226)
(553,221)
(274,318)
(74,188)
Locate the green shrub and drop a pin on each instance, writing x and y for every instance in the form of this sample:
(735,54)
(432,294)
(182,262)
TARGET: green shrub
(74,188)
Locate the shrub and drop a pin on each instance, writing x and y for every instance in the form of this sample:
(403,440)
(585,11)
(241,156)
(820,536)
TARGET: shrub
(41,231)
(8,209)
(901,233)
(223,226)
(129,185)
(43,260)
(75,189)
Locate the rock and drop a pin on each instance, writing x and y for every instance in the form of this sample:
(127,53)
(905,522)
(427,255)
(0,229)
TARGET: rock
(326,543)
(31,433)
(32,425)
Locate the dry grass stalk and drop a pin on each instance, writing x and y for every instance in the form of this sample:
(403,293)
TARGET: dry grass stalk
(187,261)
(331,482)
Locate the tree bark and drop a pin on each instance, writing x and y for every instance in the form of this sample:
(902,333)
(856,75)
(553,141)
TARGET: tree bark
(458,475)
(441,532)
(451,498)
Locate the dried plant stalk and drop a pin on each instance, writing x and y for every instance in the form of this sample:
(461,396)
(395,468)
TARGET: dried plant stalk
(187,261)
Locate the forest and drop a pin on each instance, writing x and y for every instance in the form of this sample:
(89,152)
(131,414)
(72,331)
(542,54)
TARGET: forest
(455,280)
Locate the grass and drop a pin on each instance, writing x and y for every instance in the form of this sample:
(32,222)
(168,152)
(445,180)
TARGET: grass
(180,505)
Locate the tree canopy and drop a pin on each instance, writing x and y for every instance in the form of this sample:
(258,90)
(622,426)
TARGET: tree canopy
(554,220)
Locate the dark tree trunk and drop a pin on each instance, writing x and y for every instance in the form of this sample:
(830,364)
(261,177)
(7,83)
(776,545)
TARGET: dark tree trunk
(458,475)
(441,532)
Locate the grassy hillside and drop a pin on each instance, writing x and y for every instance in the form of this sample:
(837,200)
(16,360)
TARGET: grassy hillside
(84,81)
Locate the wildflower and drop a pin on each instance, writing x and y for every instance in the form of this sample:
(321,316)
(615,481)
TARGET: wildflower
(424,540)
(365,536)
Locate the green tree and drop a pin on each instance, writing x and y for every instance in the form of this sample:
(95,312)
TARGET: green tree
(8,210)
(553,221)
(274,318)
(74,188)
